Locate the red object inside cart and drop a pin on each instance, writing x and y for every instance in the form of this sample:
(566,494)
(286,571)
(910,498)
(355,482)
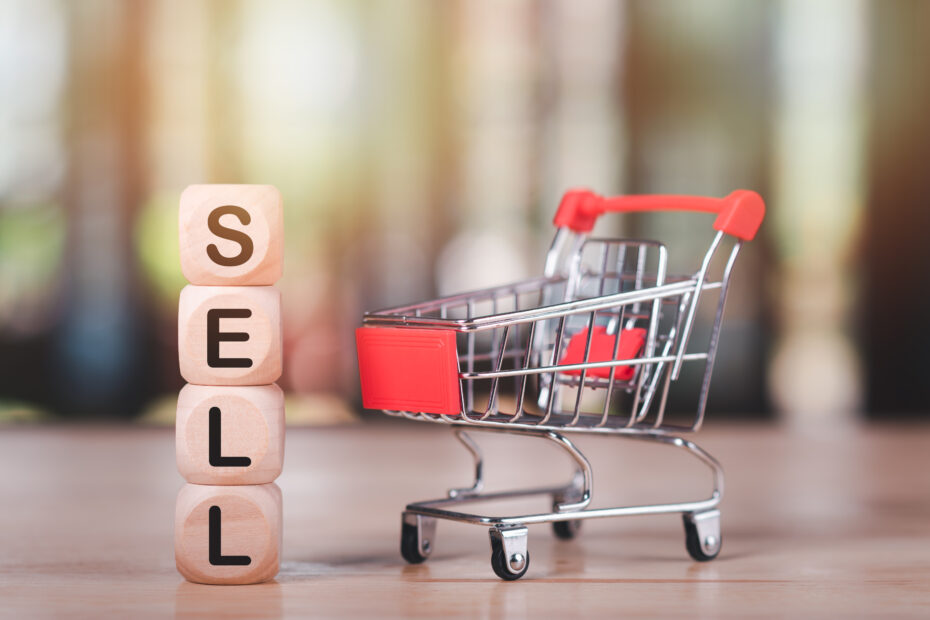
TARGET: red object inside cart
(409,369)
(602,350)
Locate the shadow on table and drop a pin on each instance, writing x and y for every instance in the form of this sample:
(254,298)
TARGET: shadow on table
(194,600)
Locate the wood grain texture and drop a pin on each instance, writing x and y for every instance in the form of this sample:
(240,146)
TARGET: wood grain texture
(246,325)
(249,421)
(822,526)
(231,235)
(247,523)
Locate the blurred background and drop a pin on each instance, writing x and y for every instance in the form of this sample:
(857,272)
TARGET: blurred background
(422,147)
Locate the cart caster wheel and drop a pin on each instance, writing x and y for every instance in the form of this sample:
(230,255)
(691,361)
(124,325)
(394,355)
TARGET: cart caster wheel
(702,535)
(509,556)
(416,538)
(501,568)
(566,530)
(409,546)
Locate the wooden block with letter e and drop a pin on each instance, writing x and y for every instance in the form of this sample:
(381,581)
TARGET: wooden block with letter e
(230,335)
(228,534)
(230,435)
(231,235)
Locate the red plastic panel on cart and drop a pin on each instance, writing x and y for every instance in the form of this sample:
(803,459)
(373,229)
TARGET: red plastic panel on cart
(408,369)
(602,349)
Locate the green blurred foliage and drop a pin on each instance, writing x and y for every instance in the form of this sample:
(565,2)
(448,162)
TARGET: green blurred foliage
(156,241)
(32,242)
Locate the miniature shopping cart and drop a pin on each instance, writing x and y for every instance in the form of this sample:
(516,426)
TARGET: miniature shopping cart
(591,347)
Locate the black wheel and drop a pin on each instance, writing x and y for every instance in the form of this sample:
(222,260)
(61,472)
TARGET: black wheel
(566,530)
(500,565)
(693,543)
(409,546)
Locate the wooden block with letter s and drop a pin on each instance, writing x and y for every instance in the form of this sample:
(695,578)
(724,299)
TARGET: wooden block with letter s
(228,534)
(231,235)
(230,435)
(230,335)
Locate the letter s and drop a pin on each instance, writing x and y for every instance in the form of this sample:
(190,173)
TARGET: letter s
(213,223)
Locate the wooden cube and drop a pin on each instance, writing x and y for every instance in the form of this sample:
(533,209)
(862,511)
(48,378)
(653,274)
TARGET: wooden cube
(228,534)
(230,335)
(230,434)
(231,235)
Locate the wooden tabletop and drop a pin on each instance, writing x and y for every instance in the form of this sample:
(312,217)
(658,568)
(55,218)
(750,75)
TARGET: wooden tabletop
(830,525)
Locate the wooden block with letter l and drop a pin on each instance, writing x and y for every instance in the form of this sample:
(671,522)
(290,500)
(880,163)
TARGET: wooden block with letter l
(230,434)
(231,235)
(228,534)
(230,335)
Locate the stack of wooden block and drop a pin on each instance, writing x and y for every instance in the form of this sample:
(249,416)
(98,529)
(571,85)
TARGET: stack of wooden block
(230,418)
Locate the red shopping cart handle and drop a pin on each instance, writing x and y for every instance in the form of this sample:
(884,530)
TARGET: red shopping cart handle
(740,214)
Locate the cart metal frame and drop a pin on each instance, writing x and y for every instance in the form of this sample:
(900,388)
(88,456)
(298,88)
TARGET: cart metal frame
(519,332)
